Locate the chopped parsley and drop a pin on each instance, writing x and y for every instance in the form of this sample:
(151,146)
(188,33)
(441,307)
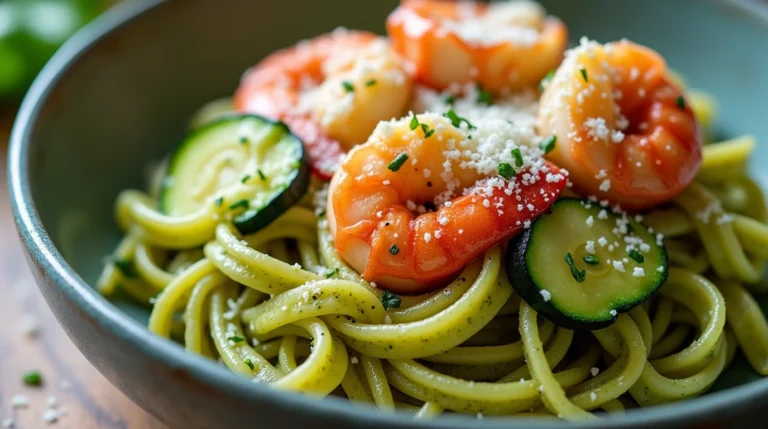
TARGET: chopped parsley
(429,133)
(236,339)
(219,201)
(261,174)
(548,145)
(506,170)
(579,276)
(243,140)
(483,96)
(394,250)
(332,273)
(32,378)
(591,260)
(390,300)
(414,122)
(347,85)
(545,81)
(321,213)
(680,102)
(637,256)
(583,72)
(126,267)
(249,363)
(450,99)
(518,157)
(240,204)
(370,82)
(245,178)
(398,162)
(457,120)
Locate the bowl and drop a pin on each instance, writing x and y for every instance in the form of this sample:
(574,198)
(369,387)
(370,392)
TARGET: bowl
(118,96)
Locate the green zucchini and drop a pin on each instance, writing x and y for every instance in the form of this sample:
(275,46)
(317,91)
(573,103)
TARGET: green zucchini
(580,264)
(249,168)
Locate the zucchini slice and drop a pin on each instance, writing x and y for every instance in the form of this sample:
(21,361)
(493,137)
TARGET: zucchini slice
(251,169)
(580,265)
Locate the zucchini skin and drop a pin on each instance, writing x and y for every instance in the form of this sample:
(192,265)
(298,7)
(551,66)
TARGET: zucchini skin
(518,272)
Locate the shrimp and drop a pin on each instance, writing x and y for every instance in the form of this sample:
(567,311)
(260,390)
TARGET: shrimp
(421,198)
(624,131)
(331,91)
(502,46)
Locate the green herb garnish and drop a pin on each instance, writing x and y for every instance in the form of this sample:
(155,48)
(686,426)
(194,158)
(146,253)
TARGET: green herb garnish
(347,85)
(236,339)
(398,162)
(591,260)
(414,122)
(680,102)
(548,145)
(579,276)
(483,96)
(506,170)
(583,72)
(32,378)
(245,178)
(450,99)
(545,81)
(394,250)
(126,267)
(321,213)
(249,363)
(457,120)
(518,157)
(219,201)
(243,140)
(240,204)
(332,273)
(637,256)
(429,133)
(390,300)
(261,174)
(370,82)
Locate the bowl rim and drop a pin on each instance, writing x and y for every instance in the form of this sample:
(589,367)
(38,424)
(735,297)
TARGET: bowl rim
(108,317)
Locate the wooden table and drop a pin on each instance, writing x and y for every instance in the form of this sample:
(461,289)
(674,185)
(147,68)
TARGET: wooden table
(84,397)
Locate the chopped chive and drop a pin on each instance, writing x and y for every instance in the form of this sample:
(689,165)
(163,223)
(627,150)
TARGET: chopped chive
(370,82)
(390,300)
(394,250)
(457,120)
(545,81)
(261,174)
(583,72)
(245,178)
(243,140)
(505,170)
(332,273)
(239,204)
(548,145)
(236,339)
(398,162)
(450,99)
(579,276)
(680,102)
(483,96)
(591,260)
(249,363)
(637,256)
(126,267)
(518,157)
(32,378)
(429,133)
(348,86)
(414,122)
(219,201)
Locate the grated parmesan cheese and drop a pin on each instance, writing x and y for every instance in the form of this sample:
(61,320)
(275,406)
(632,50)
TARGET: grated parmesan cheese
(546,295)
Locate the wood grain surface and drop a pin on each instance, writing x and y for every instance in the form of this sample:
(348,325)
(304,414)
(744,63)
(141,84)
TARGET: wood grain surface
(83,397)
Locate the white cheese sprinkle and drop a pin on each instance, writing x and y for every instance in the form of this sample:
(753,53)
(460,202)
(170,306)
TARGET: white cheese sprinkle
(546,295)
(602,241)
(618,266)
(614,312)
(354,360)
(427,237)
(593,396)
(8,423)
(595,370)
(590,221)
(638,272)
(19,401)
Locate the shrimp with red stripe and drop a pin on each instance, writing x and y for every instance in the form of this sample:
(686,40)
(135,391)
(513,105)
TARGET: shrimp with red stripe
(427,194)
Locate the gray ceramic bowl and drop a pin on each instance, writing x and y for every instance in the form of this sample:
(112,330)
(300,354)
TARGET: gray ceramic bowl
(118,95)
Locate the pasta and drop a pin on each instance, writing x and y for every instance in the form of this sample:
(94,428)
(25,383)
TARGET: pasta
(281,305)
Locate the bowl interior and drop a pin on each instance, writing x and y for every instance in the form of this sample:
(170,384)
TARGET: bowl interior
(126,101)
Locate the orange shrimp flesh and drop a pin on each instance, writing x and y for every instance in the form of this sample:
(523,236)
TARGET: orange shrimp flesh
(378,218)
(624,131)
(429,33)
